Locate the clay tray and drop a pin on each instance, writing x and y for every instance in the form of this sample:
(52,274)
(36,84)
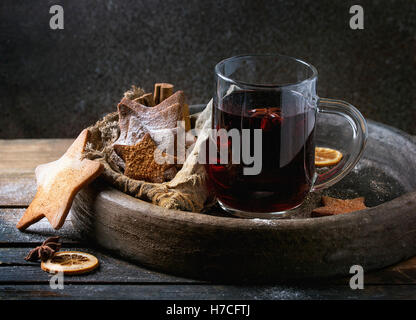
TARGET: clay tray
(214,246)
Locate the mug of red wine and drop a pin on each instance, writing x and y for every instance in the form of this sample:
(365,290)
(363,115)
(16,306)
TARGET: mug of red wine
(261,160)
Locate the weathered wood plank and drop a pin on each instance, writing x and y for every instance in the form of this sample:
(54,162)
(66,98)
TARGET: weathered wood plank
(402,273)
(14,269)
(36,233)
(18,160)
(17,190)
(203,292)
(23,155)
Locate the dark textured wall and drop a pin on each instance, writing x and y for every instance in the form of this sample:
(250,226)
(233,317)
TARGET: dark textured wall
(55,82)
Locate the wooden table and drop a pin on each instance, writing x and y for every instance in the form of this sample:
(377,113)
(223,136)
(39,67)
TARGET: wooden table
(118,279)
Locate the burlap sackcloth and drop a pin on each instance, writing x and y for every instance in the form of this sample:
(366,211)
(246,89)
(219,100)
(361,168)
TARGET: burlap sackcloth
(186,191)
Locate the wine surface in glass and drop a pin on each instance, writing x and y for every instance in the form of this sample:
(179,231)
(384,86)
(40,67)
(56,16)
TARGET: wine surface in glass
(288,152)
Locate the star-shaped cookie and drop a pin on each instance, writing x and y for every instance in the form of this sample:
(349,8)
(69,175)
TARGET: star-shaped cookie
(141,164)
(137,120)
(58,182)
(333,206)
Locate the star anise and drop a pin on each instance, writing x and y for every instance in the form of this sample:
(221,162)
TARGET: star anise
(268,112)
(46,250)
(269,117)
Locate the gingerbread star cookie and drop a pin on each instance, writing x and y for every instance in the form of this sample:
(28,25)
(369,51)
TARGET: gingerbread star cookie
(178,97)
(162,116)
(135,120)
(141,163)
(58,182)
(333,206)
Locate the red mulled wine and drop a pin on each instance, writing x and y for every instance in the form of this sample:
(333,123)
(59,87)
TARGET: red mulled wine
(287,152)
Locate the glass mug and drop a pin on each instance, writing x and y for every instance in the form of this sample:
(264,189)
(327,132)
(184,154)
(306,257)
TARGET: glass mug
(268,107)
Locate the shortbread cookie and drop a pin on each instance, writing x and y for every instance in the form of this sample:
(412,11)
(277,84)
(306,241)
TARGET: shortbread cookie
(58,182)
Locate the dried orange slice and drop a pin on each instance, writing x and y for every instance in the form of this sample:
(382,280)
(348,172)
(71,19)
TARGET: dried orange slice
(326,157)
(70,262)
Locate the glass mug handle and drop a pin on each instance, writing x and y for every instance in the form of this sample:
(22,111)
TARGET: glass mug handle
(359,139)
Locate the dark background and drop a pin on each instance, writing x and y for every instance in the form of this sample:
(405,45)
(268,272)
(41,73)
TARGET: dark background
(55,82)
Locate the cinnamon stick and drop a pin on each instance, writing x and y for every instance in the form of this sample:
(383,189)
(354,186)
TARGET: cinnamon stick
(186,117)
(162,91)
